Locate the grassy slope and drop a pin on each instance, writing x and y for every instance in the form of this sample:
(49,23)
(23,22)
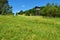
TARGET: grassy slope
(29,28)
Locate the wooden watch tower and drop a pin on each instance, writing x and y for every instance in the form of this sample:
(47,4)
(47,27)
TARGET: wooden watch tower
(37,11)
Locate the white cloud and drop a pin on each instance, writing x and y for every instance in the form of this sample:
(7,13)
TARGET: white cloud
(23,6)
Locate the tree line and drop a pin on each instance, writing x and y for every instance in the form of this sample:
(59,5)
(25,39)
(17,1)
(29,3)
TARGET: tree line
(51,10)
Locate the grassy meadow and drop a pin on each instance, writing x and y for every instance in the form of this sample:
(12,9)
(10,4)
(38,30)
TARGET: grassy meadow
(29,28)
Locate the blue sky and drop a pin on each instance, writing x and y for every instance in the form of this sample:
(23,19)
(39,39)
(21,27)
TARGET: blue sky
(28,4)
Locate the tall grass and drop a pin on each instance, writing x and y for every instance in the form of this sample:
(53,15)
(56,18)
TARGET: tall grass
(29,28)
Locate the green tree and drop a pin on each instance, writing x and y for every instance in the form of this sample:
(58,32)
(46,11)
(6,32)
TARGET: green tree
(27,13)
(21,12)
(50,10)
(4,7)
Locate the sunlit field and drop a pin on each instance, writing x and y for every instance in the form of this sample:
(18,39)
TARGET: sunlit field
(29,28)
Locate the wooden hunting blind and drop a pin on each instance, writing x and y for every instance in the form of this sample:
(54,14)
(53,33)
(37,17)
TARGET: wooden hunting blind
(37,10)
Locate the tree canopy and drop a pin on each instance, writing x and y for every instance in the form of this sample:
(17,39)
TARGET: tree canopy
(4,7)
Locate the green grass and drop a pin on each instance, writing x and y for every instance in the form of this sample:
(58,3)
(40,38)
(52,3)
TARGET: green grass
(29,28)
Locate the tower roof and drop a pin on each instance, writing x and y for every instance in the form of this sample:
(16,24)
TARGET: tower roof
(37,7)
